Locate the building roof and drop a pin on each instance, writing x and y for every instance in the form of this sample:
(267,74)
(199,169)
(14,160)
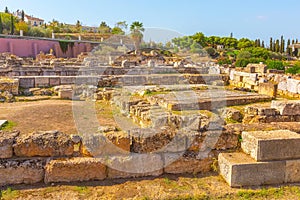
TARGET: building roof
(33,18)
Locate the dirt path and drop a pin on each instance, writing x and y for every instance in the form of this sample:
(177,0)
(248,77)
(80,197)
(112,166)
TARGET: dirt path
(49,115)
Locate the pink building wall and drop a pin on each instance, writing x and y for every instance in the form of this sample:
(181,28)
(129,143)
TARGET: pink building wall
(32,47)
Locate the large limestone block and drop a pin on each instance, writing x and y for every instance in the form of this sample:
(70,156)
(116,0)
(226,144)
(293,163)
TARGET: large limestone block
(14,172)
(182,165)
(292,85)
(287,107)
(75,169)
(134,165)
(6,143)
(292,171)
(282,86)
(271,145)
(46,144)
(240,170)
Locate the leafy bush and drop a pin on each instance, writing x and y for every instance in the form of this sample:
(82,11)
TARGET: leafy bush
(293,70)
(242,62)
(274,64)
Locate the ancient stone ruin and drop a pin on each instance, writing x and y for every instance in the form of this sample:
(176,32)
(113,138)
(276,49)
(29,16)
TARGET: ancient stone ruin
(174,116)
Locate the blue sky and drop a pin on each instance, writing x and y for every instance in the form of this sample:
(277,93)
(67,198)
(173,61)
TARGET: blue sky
(245,18)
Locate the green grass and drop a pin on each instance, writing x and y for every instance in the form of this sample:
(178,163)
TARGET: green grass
(9,126)
(8,194)
(83,190)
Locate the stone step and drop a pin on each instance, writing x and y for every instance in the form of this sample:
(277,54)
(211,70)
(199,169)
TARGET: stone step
(240,170)
(271,145)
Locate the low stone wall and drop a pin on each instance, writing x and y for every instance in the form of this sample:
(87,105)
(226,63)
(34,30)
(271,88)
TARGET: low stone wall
(52,156)
(270,84)
(280,111)
(126,80)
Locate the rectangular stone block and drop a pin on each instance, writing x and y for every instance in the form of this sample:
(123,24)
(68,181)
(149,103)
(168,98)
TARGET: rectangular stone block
(287,108)
(292,85)
(67,80)
(269,89)
(14,172)
(271,145)
(134,165)
(292,171)
(27,82)
(282,86)
(6,143)
(44,144)
(75,169)
(176,164)
(240,170)
(41,82)
(65,94)
(54,81)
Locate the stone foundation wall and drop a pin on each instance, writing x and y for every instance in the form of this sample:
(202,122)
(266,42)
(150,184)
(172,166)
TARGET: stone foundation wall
(52,156)
(270,84)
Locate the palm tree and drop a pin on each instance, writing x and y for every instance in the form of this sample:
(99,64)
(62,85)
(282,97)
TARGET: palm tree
(136,29)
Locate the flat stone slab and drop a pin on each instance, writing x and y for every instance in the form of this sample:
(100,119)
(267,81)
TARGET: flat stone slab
(2,122)
(240,170)
(206,100)
(271,145)
(287,107)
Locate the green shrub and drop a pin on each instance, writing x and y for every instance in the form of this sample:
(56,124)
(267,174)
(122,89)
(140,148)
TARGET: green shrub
(274,64)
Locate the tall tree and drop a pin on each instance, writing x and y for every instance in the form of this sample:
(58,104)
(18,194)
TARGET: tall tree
(288,49)
(122,25)
(12,25)
(23,16)
(1,25)
(104,28)
(137,29)
(6,10)
(271,44)
(282,46)
(78,26)
(263,44)
(277,46)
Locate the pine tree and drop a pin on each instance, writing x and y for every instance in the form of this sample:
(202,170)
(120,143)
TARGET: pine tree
(263,44)
(6,10)
(12,25)
(271,44)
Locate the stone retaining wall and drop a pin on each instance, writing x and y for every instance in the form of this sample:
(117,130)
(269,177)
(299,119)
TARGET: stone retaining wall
(52,156)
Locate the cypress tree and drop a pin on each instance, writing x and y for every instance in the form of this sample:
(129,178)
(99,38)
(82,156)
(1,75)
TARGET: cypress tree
(296,41)
(281,44)
(288,49)
(23,16)
(6,10)
(277,46)
(263,44)
(271,44)
(12,26)
(1,25)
